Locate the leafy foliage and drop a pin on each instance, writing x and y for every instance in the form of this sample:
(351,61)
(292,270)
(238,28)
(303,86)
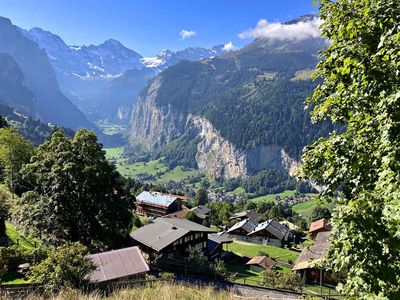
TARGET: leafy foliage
(64,267)
(4,212)
(14,152)
(201,197)
(220,212)
(268,181)
(360,89)
(76,194)
(320,212)
(33,130)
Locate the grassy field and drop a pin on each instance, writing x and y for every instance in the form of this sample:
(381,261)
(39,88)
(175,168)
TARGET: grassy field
(176,174)
(111,129)
(251,250)
(306,208)
(153,167)
(148,292)
(271,197)
(239,191)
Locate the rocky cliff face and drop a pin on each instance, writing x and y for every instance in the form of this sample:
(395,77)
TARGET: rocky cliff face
(154,127)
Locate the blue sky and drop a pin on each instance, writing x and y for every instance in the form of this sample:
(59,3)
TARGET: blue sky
(148,26)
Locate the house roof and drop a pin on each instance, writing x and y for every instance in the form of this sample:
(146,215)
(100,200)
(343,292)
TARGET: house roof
(245,214)
(274,227)
(215,240)
(157,198)
(117,264)
(312,254)
(263,261)
(220,238)
(289,225)
(164,231)
(319,224)
(201,211)
(247,225)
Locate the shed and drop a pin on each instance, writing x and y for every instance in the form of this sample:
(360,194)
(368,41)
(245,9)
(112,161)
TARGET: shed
(118,264)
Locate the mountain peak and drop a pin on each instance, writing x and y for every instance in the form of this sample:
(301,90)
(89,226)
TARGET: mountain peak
(112,43)
(305,18)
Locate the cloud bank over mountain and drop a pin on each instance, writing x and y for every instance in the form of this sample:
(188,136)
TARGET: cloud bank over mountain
(283,31)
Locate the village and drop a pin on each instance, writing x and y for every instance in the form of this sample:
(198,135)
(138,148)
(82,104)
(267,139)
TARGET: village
(175,243)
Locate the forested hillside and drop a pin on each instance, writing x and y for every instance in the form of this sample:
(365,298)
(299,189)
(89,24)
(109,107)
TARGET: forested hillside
(253,98)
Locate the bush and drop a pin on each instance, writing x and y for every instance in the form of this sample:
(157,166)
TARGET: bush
(167,276)
(66,266)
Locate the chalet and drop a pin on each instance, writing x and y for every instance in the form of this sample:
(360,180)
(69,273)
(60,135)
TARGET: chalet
(271,232)
(309,258)
(240,216)
(243,228)
(201,211)
(321,225)
(122,264)
(155,204)
(215,246)
(171,238)
(260,263)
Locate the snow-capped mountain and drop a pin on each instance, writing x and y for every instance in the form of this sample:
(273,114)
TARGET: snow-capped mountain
(168,58)
(107,60)
(86,74)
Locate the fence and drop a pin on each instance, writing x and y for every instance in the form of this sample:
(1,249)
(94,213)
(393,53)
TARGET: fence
(209,274)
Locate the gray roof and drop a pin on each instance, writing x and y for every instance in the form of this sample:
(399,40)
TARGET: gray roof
(312,254)
(274,227)
(117,264)
(165,231)
(245,214)
(247,225)
(220,238)
(201,211)
(157,198)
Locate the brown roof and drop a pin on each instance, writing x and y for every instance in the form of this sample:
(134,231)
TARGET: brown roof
(117,264)
(312,254)
(262,261)
(319,224)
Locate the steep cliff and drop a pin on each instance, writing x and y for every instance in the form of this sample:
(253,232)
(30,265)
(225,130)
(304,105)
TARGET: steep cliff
(232,115)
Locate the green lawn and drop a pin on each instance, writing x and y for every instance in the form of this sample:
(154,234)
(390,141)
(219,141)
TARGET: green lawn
(271,197)
(16,237)
(114,153)
(177,174)
(243,274)
(13,278)
(239,191)
(306,208)
(251,250)
(111,129)
(153,167)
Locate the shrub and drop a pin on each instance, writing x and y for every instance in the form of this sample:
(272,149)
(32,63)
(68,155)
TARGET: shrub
(66,266)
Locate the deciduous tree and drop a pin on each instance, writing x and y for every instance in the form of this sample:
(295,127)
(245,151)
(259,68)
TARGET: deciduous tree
(360,90)
(77,196)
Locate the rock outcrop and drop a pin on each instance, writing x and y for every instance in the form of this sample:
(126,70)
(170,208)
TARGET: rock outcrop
(153,127)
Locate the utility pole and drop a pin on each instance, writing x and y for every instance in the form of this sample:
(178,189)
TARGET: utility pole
(320,280)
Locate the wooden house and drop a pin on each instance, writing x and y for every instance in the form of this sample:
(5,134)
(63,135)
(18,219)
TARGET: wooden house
(321,225)
(171,238)
(272,232)
(156,204)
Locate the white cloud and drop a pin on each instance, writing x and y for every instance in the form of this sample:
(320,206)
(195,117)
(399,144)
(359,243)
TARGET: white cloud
(229,47)
(280,31)
(185,34)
